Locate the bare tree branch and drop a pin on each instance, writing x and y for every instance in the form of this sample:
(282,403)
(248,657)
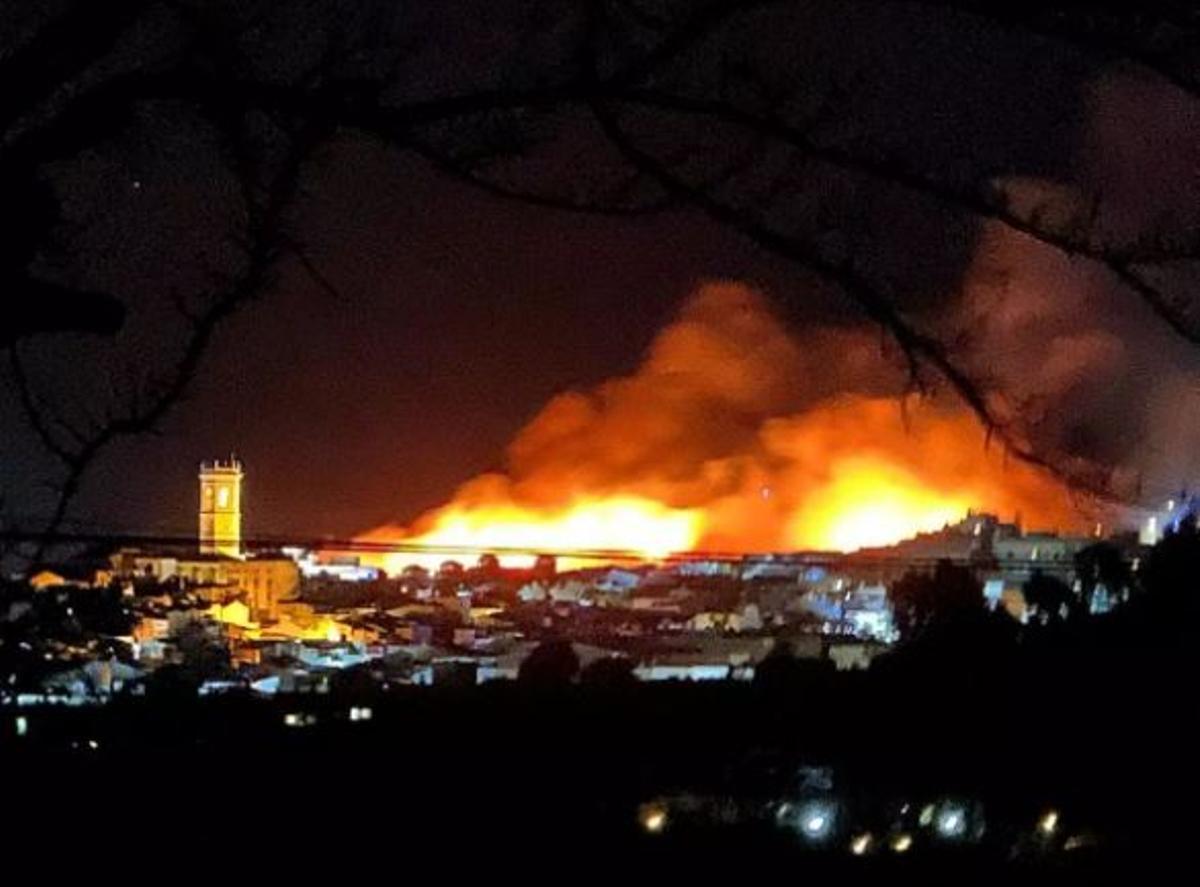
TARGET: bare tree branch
(448,165)
(918,347)
(991,204)
(37,419)
(60,50)
(1067,22)
(145,412)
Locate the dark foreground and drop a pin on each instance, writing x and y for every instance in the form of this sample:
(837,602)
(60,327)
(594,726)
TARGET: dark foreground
(565,783)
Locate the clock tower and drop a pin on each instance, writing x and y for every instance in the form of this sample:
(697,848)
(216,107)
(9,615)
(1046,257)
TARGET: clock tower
(221,508)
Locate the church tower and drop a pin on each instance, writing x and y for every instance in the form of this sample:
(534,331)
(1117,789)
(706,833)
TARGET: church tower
(221,508)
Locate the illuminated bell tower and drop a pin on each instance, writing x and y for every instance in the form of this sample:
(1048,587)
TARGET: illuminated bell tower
(221,508)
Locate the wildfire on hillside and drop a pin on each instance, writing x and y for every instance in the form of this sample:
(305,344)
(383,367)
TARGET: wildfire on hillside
(735,435)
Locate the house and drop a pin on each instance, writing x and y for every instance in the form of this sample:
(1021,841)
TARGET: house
(62,575)
(852,655)
(96,679)
(266,580)
(618,581)
(704,658)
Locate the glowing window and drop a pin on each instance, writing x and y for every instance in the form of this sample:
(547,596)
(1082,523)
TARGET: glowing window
(223,497)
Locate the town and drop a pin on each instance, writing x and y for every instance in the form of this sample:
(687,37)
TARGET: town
(295,621)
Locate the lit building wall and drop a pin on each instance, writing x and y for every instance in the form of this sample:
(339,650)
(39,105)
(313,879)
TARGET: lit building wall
(266,582)
(221,508)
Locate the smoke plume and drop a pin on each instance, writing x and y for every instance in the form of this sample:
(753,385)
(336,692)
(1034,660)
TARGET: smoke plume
(738,434)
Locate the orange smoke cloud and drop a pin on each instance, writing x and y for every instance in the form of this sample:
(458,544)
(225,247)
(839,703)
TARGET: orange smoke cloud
(732,436)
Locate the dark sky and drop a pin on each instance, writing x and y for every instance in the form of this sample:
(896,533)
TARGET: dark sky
(459,315)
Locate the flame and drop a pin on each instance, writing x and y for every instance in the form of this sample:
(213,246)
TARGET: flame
(872,503)
(732,437)
(642,527)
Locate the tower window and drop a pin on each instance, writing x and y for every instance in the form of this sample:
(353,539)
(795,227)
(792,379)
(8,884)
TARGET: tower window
(223,497)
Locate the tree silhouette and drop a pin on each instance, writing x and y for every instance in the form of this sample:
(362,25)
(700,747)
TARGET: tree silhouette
(1169,577)
(551,663)
(202,655)
(1102,564)
(781,671)
(1052,599)
(609,673)
(923,600)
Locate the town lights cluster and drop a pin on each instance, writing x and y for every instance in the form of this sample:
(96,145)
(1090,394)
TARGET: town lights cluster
(828,823)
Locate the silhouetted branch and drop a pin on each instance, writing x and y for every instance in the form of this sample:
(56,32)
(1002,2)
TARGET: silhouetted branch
(34,414)
(918,347)
(145,410)
(1112,39)
(319,277)
(60,50)
(992,204)
(448,165)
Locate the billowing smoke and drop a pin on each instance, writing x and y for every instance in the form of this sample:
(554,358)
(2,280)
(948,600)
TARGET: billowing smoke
(1088,372)
(738,434)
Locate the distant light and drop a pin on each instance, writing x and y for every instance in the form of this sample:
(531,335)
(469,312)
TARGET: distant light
(926,816)
(766,492)
(861,844)
(952,822)
(1080,842)
(653,818)
(22,725)
(815,819)
(360,713)
(93,744)
(901,843)
(1048,824)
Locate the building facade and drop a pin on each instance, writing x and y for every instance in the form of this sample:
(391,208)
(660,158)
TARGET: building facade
(221,508)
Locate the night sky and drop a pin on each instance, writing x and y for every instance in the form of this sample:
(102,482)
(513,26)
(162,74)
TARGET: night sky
(459,315)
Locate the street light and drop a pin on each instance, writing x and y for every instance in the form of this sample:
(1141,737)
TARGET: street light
(1048,824)
(951,821)
(652,818)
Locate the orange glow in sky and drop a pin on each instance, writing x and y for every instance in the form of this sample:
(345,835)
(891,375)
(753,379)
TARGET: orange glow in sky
(718,441)
(866,502)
